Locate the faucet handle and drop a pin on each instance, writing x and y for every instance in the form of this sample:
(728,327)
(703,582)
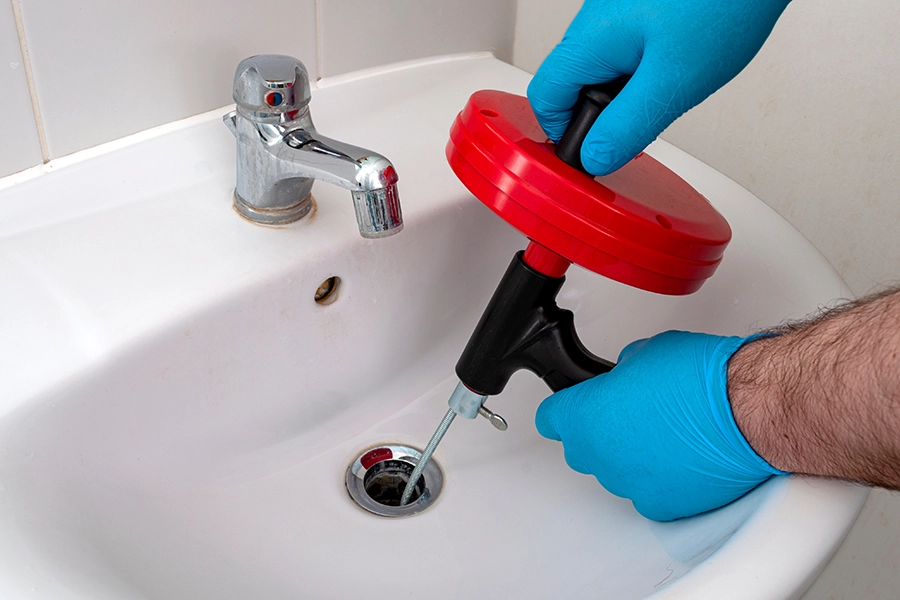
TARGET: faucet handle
(271,88)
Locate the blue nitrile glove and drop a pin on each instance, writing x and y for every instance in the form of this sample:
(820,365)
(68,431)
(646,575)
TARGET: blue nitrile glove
(680,52)
(658,428)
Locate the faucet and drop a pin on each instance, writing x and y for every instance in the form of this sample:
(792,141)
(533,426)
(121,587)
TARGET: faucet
(280,153)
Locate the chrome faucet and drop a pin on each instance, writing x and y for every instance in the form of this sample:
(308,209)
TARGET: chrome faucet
(280,153)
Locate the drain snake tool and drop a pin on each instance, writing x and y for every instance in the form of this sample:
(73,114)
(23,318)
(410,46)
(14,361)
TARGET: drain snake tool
(642,225)
(463,402)
(426,456)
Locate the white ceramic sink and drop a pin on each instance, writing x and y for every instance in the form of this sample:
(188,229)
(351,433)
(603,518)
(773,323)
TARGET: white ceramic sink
(178,414)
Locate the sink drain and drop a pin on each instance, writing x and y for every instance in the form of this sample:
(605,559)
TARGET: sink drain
(377,478)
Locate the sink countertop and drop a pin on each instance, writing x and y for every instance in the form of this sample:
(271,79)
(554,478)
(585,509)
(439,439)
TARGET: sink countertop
(130,272)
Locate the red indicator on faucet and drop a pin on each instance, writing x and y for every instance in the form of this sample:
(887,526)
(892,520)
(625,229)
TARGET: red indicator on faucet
(274,98)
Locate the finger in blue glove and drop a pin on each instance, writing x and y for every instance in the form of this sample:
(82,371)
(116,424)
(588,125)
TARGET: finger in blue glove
(679,52)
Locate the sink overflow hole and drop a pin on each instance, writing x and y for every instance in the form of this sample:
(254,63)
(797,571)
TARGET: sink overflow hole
(327,292)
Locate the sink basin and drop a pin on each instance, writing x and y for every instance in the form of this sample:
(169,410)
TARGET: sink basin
(179,413)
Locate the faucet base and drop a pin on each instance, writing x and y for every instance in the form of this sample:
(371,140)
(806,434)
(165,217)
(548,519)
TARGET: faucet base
(273,216)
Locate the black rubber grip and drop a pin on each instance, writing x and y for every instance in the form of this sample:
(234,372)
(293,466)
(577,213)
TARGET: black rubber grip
(591,101)
(523,328)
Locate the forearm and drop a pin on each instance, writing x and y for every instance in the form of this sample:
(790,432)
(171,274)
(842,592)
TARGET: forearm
(824,398)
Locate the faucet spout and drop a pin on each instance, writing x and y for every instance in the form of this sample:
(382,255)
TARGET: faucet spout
(370,177)
(280,153)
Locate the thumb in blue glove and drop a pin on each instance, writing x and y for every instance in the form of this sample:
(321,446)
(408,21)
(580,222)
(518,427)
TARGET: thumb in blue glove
(679,52)
(658,429)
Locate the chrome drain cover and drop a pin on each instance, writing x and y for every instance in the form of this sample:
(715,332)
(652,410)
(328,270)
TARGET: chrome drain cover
(378,476)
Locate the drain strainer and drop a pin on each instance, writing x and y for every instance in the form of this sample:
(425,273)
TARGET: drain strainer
(377,478)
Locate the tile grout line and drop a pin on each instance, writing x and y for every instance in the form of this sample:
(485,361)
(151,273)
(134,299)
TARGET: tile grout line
(318,12)
(29,78)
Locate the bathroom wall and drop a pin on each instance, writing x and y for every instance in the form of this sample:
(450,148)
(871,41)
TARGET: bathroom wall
(20,147)
(811,126)
(77,74)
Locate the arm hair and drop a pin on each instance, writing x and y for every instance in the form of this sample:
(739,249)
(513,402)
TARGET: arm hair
(822,397)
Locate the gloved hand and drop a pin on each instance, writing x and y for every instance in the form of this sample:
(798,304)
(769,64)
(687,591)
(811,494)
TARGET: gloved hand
(680,52)
(658,428)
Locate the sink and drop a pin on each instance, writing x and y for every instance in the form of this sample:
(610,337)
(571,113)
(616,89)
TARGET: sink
(179,412)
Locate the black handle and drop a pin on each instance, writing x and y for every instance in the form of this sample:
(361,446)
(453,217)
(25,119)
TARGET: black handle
(591,101)
(523,328)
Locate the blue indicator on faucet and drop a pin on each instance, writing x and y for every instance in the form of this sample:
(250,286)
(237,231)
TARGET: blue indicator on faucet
(274,98)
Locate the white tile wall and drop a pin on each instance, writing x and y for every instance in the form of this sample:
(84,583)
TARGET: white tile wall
(104,69)
(362,33)
(538,30)
(811,127)
(107,68)
(20,148)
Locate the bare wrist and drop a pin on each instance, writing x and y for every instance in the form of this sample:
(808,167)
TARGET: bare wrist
(822,397)
(755,401)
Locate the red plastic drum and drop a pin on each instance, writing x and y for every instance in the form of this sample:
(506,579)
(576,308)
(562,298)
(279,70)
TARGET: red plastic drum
(642,225)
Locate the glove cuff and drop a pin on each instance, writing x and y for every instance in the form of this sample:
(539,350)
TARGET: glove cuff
(722,409)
